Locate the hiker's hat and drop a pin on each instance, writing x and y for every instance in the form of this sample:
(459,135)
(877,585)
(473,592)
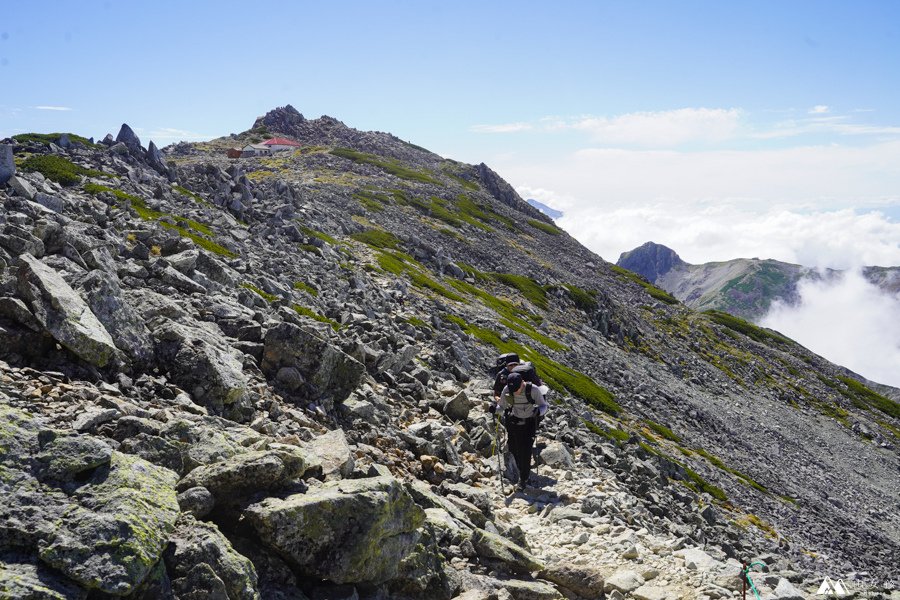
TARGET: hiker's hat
(505,359)
(514,381)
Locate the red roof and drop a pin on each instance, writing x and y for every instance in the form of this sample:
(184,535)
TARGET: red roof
(280,142)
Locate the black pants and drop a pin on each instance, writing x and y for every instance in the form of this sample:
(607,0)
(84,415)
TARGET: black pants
(521,441)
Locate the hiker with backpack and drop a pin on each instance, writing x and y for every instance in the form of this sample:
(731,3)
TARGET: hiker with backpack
(522,403)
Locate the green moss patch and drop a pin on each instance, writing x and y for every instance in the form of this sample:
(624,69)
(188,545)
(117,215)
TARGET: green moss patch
(377,238)
(59,169)
(651,289)
(308,312)
(509,314)
(305,287)
(186,192)
(394,167)
(188,228)
(864,397)
(617,435)
(264,295)
(469,185)
(372,200)
(583,299)
(746,479)
(545,227)
(663,431)
(695,482)
(527,286)
(53,138)
(759,334)
(418,323)
(455,212)
(318,234)
(399,263)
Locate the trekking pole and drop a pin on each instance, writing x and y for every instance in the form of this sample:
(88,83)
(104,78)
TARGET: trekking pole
(499,452)
(745,579)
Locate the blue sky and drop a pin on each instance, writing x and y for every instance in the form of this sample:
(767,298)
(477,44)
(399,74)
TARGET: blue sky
(669,121)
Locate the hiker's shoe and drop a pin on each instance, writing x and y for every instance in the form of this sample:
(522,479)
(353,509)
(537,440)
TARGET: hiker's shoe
(522,486)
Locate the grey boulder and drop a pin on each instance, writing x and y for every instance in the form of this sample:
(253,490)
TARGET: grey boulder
(202,563)
(204,365)
(7,163)
(334,454)
(121,320)
(248,472)
(63,313)
(329,373)
(352,531)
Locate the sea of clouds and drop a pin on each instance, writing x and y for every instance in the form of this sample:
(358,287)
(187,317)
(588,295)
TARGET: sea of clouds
(766,193)
(847,320)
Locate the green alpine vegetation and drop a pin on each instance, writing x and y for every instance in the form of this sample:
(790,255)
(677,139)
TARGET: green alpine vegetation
(305,287)
(264,295)
(188,228)
(759,334)
(394,167)
(372,200)
(663,431)
(399,263)
(527,286)
(377,238)
(509,314)
(186,192)
(545,227)
(863,397)
(654,291)
(53,138)
(59,169)
(308,312)
(583,299)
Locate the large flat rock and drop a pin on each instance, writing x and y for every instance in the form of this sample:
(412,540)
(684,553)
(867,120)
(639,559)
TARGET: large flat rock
(352,531)
(62,312)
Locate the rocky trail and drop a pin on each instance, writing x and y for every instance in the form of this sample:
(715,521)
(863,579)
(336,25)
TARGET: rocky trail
(265,378)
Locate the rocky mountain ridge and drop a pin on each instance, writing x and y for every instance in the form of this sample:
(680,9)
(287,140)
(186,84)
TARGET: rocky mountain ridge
(265,377)
(743,287)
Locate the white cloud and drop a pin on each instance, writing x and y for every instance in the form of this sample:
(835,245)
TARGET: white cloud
(56,108)
(849,321)
(504,128)
(823,125)
(710,126)
(663,129)
(811,205)
(163,136)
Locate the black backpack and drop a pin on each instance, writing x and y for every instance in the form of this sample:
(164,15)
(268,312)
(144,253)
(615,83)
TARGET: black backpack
(525,369)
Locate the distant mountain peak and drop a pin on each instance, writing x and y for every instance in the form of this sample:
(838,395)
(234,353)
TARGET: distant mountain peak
(550,212)
(651,260)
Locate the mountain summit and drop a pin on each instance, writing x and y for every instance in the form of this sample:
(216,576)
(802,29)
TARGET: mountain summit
(245,368)
(651,260)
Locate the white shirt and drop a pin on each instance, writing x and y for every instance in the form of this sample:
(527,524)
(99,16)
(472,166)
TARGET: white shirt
(521,407)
